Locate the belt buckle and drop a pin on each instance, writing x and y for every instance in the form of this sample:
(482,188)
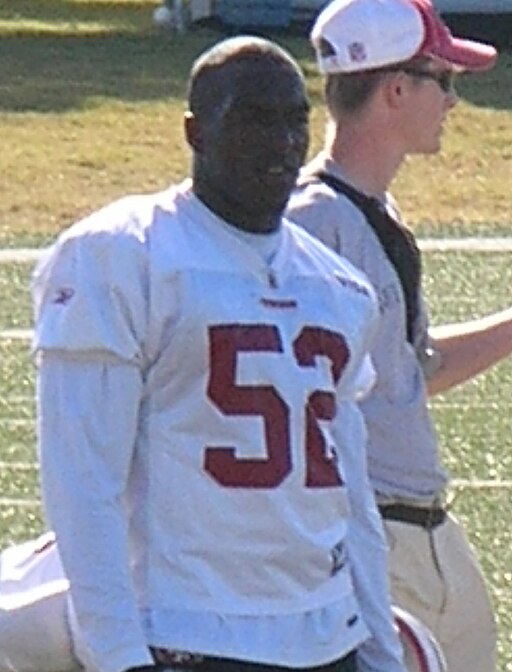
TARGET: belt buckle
(176,659)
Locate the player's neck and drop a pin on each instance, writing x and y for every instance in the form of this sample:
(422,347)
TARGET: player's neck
(232,213)
(365,156)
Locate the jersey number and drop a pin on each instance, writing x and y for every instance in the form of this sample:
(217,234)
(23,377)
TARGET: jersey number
(221,463)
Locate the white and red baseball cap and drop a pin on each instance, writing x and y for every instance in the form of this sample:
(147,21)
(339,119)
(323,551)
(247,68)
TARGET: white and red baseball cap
(356,35)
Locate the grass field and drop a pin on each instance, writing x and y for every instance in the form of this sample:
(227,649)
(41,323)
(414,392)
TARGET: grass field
(91,100)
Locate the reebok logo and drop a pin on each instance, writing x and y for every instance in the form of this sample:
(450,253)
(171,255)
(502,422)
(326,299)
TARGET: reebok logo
(63,295)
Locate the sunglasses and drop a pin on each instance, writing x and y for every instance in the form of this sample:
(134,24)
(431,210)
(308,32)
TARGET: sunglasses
(444,78)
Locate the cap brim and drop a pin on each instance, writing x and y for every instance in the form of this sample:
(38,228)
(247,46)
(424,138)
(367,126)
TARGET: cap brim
(468,54)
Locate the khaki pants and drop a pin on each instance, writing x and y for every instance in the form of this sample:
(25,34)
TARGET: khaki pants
(435,575)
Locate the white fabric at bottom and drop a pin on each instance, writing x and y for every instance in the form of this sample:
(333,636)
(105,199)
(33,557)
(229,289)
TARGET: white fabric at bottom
(34,630)
(435,576)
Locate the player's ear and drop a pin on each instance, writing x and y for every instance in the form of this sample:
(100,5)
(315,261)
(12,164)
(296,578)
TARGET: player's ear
(192,131)
(395,89)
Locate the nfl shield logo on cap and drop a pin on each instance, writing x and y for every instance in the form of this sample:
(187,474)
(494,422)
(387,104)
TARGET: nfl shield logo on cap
(357,52)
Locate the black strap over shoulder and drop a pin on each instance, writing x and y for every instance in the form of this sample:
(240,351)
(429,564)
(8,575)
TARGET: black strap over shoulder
(397,241)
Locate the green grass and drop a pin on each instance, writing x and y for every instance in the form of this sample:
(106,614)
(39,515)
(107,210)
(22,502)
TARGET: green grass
(15,308)
(474,422)
(91,102)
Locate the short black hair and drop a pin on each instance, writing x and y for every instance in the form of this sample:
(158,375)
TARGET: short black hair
(207,86)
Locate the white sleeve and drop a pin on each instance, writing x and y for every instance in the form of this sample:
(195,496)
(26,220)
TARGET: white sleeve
(367,548)
(90,296)
(87,416)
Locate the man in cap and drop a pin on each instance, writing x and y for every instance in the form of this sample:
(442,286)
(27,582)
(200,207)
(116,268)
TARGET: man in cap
(390,67)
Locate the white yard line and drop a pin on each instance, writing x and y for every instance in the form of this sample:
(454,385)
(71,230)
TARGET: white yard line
(20,255)
(466,244)
(16,335)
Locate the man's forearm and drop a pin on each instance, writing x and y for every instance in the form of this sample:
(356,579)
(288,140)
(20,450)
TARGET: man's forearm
(469,348)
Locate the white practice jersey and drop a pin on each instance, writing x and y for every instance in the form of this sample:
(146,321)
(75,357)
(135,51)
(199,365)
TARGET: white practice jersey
(402,444)
(196,407)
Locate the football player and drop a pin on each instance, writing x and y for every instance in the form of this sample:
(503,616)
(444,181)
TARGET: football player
(202,453)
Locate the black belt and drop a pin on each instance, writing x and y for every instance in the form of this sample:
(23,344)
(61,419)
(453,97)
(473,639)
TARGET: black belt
(216,664)
(346,664)
(426,517)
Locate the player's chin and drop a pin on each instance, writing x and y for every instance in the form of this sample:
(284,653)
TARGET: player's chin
(277,202)
(277,187)
(269,207)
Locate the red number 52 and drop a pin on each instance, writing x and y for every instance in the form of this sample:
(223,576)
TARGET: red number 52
(226,341)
